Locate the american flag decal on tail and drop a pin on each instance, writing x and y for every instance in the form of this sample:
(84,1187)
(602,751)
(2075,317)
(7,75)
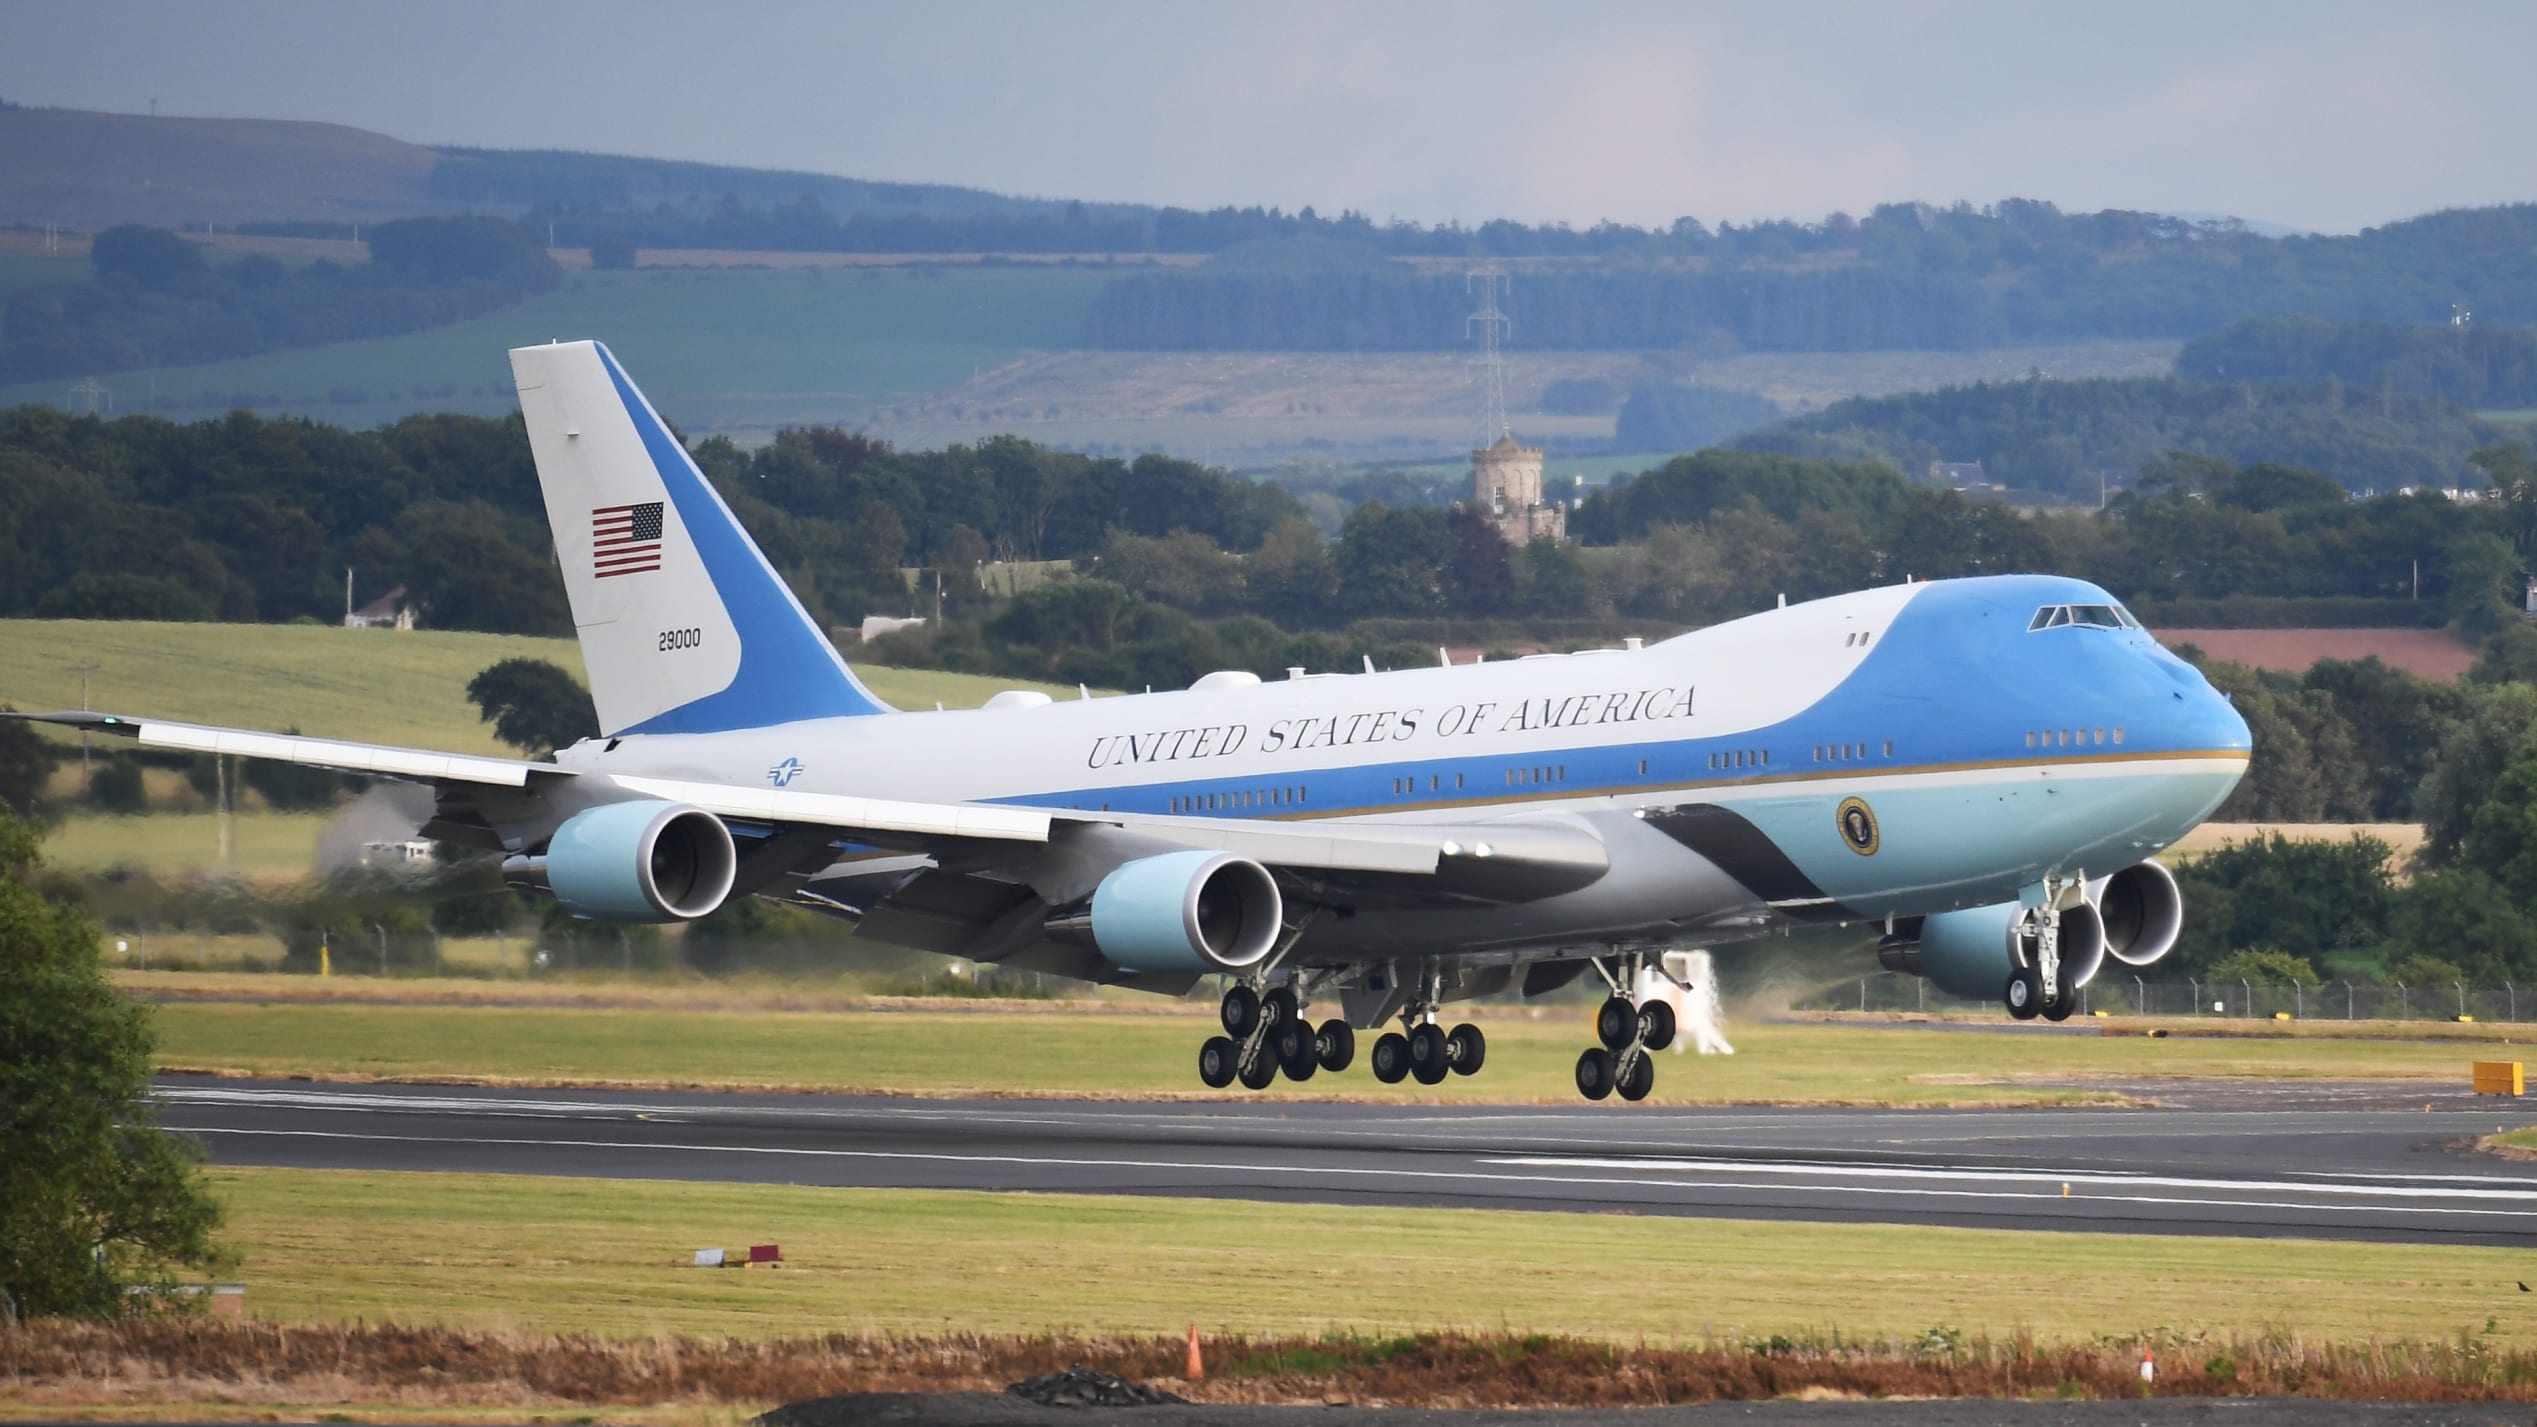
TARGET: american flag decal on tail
(625,539)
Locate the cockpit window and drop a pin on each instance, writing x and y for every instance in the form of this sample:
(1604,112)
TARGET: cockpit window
(2093,616)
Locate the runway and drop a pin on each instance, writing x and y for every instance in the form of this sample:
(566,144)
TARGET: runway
(2315,1161)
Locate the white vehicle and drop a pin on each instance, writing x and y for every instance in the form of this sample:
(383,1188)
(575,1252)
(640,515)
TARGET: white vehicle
(1982,768)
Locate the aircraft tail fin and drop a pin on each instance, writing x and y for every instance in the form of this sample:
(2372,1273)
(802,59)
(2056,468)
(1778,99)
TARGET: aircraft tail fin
(685,627)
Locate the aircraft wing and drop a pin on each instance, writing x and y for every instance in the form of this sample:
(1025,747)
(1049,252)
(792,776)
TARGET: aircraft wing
(1515,860)
(420,765)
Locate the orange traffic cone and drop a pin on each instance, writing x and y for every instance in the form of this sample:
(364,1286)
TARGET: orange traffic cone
(1197,1365)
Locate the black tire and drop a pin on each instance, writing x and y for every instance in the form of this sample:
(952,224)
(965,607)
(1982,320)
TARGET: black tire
(1297,1055)
(1615,1022)
(1216,1062)
(2058,1008)
(1466,1049)
(1280,1007)
(1594,1073)
(1428,1058)
(1240,1011)
(1656,1024)
(1391,1057)
(1639,1079)
(1336,1045)
(1261,1071)
(2024,993)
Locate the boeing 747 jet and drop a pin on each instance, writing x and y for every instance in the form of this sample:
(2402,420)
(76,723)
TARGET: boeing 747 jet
(1983,770)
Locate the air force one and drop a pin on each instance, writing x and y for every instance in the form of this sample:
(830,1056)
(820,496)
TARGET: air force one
(1982,769)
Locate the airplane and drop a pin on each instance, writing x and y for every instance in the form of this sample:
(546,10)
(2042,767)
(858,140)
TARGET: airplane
(1983,770)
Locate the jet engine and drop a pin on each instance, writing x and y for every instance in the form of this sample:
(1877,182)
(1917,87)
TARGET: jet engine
(2133,916)
(643,861)
(2142,911)
(1181,911)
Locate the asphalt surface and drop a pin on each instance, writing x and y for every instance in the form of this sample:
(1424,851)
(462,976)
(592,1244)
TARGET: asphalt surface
(2362,1162)
(980,1410)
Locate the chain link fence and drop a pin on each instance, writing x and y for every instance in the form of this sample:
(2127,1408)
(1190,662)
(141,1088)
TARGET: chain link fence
(2126,995)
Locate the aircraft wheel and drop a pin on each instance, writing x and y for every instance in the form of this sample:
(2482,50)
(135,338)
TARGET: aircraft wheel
(1216,1062)
(1296,1051)
(1428,1057)
(1280,1007)
(1656,1024)
(1615,1021)
(1336,1045)
(1466,1049)
(1639,1079)
(1391,1057)
(1261,1071)
(2058,1008)
(1594,1073)
(2024,993)
(1240,1011)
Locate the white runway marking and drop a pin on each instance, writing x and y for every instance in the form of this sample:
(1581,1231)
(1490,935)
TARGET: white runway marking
(2398,1188)
(1448,1176)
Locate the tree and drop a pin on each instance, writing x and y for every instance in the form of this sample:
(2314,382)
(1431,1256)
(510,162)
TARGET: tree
(153,259)
(533,705)
(94,1196)
(26,765)
(2264,968)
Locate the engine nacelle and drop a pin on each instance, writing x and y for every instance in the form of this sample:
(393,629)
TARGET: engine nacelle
(2143,913)
(1183,911)
(1970,953)
(642,861)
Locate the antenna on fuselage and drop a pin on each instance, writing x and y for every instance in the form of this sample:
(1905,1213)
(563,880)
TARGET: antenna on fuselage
(1443,660)
(1369,662)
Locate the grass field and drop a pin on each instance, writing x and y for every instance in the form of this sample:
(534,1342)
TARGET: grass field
(608,1258)
(720,349)
(2405,838)
(374,685)
(1532,1054)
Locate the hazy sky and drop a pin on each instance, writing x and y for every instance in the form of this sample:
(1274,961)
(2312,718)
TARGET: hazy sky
(2319,114)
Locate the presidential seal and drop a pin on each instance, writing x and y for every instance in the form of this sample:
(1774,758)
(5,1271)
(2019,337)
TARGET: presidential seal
(1858,826)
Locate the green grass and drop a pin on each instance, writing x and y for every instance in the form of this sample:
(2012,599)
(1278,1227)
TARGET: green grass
(1532,1055)
(723,349)
(2519,1139)
(2524,416)
(262,845)
(608,1258)
(379,686)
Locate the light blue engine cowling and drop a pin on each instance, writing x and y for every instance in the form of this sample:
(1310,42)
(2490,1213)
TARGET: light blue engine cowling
(2133,916)
(640,862)
(1187,911)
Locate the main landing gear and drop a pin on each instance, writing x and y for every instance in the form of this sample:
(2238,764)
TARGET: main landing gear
(1624,1062)
(1268,1034)
(2037,986)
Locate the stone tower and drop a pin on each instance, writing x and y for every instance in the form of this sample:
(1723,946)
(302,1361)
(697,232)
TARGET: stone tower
(1506,486)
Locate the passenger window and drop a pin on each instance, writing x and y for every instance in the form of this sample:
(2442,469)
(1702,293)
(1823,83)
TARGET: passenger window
(1889,748)
(2030,738)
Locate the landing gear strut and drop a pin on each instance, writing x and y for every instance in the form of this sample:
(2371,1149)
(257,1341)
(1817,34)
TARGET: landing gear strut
(2038,985)
(1629,1033)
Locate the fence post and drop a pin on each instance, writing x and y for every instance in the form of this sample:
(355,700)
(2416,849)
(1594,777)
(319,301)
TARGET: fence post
(2347,1001)
(2462,997)
(2513,993)
(1863,993)
(2247,1006)
(2404,1004)
(2140,996)
(2298,1002)
(2193,988)
(1922,983)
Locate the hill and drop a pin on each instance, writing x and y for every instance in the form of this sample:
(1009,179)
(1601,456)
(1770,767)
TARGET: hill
(81,169)
(85,169)
(375,685)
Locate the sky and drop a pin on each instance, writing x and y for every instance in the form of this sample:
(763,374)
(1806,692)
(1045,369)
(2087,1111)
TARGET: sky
(2323,115)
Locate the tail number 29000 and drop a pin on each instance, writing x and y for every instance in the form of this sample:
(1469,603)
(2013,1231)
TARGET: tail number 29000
(681,639)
